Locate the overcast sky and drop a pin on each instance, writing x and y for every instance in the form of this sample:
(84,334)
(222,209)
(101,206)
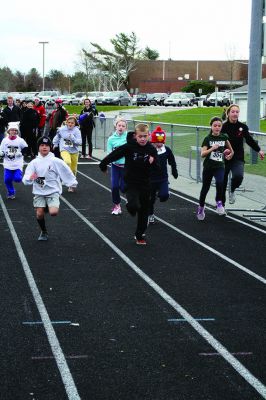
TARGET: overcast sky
(181,30)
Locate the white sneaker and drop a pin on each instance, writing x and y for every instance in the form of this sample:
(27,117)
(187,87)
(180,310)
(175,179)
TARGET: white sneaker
(232,197)
(151,219)
(116,210)
(220,208)
(200,213)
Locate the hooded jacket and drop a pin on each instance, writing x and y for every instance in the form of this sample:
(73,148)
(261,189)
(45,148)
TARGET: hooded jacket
(137,166)
(50,172)
(68,139)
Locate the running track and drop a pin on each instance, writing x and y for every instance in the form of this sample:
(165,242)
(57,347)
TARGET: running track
(89,315)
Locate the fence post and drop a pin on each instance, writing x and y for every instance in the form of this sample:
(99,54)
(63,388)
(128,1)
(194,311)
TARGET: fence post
(198,165)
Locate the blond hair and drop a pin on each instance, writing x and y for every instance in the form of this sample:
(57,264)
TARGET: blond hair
(230,107)
(141,127)
(120,119)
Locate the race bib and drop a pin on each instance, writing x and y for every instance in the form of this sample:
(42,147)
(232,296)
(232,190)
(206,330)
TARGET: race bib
(68,143)
(40,181)
(216,156)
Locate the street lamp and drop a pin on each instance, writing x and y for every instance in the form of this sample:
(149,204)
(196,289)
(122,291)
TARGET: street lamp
(43,44)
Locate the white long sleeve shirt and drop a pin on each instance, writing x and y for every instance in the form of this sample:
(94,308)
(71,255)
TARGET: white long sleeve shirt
(11,150)
(51,173)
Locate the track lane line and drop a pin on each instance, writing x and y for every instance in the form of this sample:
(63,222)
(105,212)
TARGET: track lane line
(214,343)
(195,240)
(60,359)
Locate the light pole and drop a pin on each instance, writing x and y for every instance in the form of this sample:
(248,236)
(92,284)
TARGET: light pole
(43,44)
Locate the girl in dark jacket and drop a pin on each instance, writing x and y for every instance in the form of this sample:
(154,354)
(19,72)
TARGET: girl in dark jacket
(86,121)
(237,132)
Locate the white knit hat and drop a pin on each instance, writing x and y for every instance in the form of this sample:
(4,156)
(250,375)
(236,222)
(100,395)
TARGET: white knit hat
(13,125)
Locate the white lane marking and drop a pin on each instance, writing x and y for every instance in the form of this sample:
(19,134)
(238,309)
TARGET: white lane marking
(240,368)
(227,216)
(205,246)
(67,378)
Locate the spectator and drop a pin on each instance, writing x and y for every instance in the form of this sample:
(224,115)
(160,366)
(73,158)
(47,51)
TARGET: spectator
(58,116)
(11,112)
(28,126)
(38,106)
(86,121)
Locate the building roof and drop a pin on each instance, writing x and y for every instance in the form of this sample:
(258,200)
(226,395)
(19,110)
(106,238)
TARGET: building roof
(244,89)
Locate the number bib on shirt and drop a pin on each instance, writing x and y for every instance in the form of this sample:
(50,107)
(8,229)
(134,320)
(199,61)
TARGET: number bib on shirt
(216,156)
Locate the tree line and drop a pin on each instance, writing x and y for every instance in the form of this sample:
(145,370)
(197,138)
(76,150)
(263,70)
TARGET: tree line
(99,69)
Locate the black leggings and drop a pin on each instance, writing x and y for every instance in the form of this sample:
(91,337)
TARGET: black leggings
(138,201)
(237,169)
(86,135)
(207,176)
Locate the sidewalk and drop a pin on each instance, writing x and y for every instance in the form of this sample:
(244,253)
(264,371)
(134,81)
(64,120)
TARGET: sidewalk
(251,196)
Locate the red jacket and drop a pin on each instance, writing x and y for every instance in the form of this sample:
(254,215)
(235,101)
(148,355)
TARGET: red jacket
(41,112)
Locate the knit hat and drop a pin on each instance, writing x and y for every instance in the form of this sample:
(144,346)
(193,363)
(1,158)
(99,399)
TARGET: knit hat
(44,140)
(13,125)
(158,135)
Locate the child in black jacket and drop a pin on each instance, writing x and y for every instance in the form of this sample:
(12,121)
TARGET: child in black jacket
(159,179)
(140,158)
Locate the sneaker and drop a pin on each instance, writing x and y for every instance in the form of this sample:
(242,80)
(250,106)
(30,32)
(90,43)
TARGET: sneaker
(89,157)
(82,156)
(70,189)
(220,208)
(151,219)
(141,242)
(232,198)
(200,213)
(117,210)
(11,196)
(43,236)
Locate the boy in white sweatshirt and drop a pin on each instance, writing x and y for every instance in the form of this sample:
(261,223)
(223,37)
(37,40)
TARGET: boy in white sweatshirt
(45,173)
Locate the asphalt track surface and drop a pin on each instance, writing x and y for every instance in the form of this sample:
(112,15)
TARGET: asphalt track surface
(91,315)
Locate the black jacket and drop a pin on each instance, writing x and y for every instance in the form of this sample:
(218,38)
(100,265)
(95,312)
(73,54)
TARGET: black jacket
(237,132)
(29,122)
(11,115)
(88,122)
(137,166)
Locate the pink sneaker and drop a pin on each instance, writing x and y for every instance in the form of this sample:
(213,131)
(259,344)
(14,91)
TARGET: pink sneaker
(116,209)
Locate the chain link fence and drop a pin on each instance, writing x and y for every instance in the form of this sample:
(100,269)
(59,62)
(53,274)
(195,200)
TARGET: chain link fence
(184,140)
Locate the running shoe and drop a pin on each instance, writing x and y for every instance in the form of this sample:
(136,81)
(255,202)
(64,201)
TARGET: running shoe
(141,242)
(43,236)
(200,213)
(232,198)
(117,210)
(220,208)
(70,189)
(151,219)
(11,196)
(82,156)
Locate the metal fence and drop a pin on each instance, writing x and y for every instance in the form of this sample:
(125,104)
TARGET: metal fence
(184,141)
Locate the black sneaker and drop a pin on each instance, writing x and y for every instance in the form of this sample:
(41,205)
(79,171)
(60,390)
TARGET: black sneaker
(43,236)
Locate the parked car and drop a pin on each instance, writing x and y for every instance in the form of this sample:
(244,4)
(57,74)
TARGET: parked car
(118,98)
(191,96)
(80,96)
(177,99)
(134,100)
(222,99)
(48,94)
(199,100)
(146,99)
(3,96)
(160,97)
(93,96)
(70,99)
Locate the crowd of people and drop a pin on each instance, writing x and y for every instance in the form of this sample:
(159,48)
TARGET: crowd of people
(139,159)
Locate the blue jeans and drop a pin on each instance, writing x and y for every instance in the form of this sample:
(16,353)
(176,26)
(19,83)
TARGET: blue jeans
(117,183)
(160,189)
(11,176)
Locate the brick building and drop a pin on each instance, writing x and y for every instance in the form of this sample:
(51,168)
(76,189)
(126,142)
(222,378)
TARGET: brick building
(171,76)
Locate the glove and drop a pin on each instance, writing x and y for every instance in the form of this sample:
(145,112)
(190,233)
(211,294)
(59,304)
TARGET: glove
(175,173)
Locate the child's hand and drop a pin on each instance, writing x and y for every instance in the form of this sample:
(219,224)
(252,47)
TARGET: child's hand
(151,159)
(261,154)
(33,176)
(215,146)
